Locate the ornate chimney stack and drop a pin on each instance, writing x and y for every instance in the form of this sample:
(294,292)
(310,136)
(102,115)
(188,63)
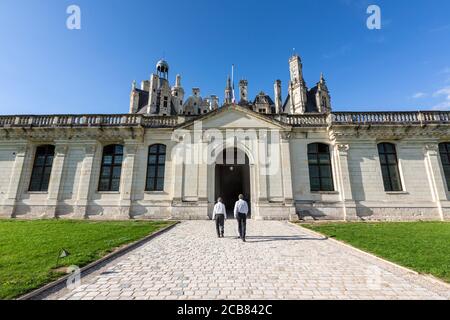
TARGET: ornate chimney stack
(243,91)
(278,99)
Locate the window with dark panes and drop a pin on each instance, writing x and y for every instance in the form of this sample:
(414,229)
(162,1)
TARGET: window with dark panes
(156,165)
(389,167)
(111,168)
(42,168)
(320,172)
(444,151)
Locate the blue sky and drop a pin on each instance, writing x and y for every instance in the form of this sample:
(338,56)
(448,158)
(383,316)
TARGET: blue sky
(46,68)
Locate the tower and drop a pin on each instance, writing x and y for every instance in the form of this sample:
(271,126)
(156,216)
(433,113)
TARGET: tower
(178,95)
(277,94)
(297,86)
(228,92)
(159,102)
(243,91)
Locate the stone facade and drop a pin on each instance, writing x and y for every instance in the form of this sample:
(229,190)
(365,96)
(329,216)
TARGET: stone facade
(280,189)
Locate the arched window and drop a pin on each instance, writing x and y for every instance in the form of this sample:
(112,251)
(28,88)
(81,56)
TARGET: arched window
(111,168)
(444,150)
(389,167)
(42,168)
(156,165)
(320,172)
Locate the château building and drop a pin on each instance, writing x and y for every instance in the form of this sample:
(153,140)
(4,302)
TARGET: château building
(171,156)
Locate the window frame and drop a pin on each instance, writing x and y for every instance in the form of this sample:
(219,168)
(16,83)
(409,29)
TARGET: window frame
(445,166)
(47,154)
(111,167)
(384,157)
(321,175)
(157,166)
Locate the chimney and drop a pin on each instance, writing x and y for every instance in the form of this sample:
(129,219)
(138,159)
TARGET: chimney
(243,91)
(278,101)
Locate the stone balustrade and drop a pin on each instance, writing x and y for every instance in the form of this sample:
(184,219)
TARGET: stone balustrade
(307,120)
(87,120)
(362,118)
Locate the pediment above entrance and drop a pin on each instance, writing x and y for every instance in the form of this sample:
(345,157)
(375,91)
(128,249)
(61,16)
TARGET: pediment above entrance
(236,117)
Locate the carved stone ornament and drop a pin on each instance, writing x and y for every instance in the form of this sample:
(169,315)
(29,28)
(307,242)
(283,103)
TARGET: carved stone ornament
(61,149)
(432,148)
(343,148)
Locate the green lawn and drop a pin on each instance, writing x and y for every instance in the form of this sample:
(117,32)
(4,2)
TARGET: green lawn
(422,246)
(29,249)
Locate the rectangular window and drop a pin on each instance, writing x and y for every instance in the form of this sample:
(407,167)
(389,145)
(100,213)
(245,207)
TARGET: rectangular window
(389,167)
(444,152)
(42,168)
(320,172)
(156,165)
(111,168)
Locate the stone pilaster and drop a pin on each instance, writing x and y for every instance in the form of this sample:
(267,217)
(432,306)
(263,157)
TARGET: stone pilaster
(202,172)
(85,184)
(348,205)
(286,167)
(435,176)
(178,162)
(56,179)
(261,168)
(17,172)
(126,179)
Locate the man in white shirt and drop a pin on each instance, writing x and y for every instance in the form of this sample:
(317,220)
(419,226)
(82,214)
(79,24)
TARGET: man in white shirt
(240,213)
(219,215)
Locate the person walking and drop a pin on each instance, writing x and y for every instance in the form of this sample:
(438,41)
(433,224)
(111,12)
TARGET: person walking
(240,213)
(219,215)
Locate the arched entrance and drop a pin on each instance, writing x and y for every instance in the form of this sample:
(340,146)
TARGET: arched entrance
(232,177)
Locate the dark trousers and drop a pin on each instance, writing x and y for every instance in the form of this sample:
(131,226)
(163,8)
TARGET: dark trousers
(220,224)
(242,224)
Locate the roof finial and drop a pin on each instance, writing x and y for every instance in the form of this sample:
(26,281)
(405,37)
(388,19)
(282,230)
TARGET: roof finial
(322,79)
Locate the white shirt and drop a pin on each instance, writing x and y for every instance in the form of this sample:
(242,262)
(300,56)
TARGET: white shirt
(240,207)
(219,208)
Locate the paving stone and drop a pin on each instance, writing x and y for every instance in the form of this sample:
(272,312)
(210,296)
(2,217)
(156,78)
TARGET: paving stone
(279,260)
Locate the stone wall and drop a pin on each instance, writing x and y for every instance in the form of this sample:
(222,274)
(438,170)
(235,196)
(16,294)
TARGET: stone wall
(189,188)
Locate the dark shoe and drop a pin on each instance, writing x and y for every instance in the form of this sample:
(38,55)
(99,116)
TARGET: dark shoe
(222,235)
(243,239)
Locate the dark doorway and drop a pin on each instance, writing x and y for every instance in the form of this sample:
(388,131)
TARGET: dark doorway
(232,179)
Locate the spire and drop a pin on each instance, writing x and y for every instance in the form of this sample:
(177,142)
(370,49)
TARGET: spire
(233,96)
(322,79)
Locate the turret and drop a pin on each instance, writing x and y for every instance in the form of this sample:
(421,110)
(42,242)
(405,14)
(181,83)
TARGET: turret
(178,95)
(134,98)
(162,69)
(323,99)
